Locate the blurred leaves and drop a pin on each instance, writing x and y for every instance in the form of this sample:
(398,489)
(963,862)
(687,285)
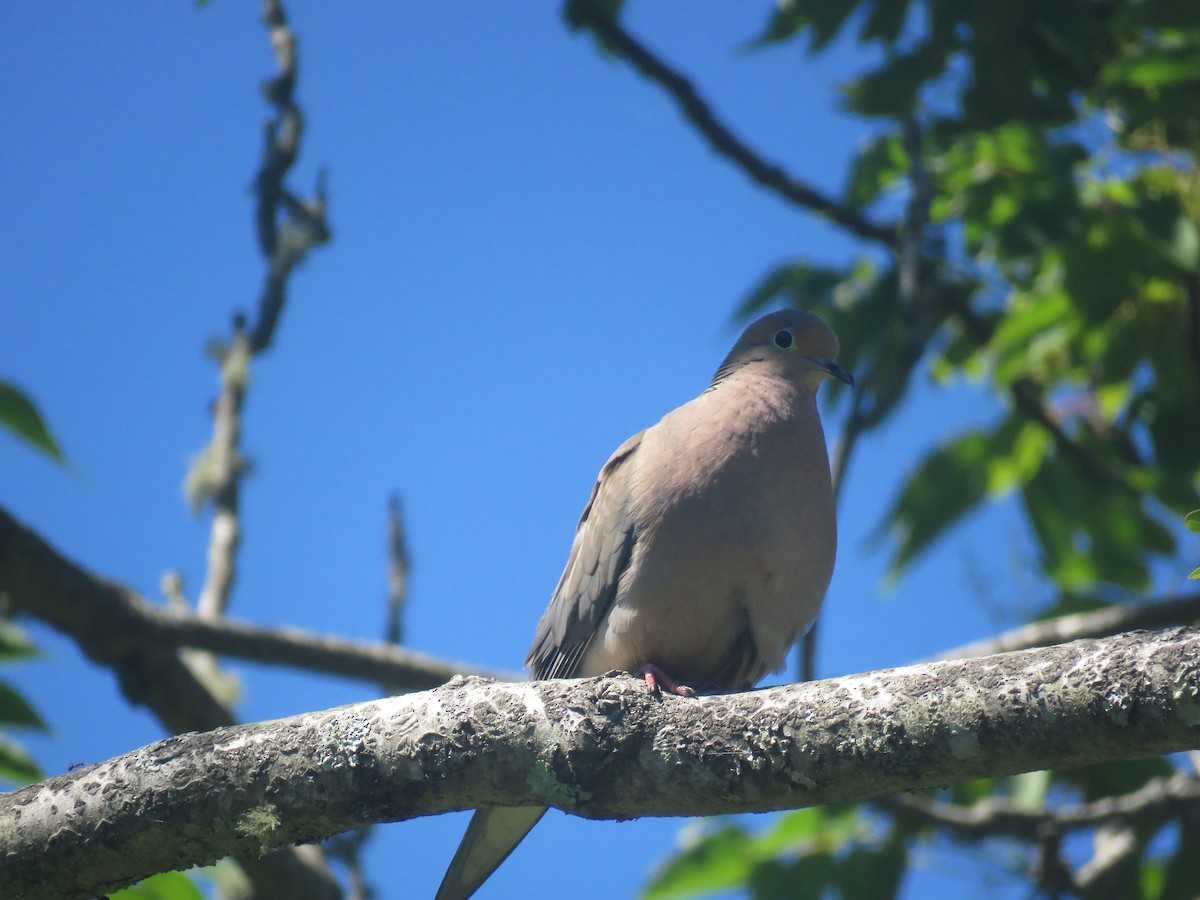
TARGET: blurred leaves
(164,886)
(20,416)
(16,765)
(809,853)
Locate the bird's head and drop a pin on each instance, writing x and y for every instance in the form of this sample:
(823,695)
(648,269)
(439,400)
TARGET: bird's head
(790,343)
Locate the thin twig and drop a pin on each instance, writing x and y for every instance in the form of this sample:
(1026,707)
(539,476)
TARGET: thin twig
(304,225)
(1094,624)
(596,18)
(993,816)
(376,661)
(398,564)
(224,467)
(118,628)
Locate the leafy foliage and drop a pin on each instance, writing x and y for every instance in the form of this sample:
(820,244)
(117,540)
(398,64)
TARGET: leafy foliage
(1044,160)
(164,886)
(16,765)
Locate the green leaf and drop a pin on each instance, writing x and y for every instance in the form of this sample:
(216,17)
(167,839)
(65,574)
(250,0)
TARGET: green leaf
(816,828)
(1156,67)
(891,90)
(19,415)
(885,21)
(163,886)
(1192,520)
(879,166)
(1028,791)
(15,710)
(16,765)
(800,284)
(716,861)
(823,19)
(947,484)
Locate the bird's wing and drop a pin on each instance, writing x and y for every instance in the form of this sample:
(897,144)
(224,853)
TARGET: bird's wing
(600,554)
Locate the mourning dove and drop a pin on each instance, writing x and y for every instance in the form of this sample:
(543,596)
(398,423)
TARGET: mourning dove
(704,551)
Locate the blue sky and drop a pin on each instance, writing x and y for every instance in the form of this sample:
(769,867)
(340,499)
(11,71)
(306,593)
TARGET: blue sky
(534,257)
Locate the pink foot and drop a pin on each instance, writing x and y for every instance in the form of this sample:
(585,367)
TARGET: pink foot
(658,680)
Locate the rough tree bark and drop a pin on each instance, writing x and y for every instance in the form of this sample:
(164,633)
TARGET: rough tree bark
(600,748)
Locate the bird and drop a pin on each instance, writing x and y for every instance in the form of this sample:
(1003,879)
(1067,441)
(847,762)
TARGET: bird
(704,551)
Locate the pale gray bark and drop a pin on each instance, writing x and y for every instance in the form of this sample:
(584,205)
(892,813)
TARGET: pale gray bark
(601,748)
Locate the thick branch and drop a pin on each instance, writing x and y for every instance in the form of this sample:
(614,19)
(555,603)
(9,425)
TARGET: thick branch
(601,748)
(596,18)
(118,628)
(102,618)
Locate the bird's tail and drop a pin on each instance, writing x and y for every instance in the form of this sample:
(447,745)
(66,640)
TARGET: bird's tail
(494,833)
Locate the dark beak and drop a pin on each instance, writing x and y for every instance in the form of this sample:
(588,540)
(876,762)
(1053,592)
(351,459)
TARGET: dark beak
(836,371)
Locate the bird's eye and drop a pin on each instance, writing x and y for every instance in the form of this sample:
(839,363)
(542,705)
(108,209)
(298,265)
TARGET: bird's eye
(783,339)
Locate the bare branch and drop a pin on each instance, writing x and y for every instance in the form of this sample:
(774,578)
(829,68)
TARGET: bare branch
(305,225)
(101,616)
(397,572)
(118,628)
(376,661)
(600,748)
(1095,624)
(1153,804)
(224,467)
(596,18)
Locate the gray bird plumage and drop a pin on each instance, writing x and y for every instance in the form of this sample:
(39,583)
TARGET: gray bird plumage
(705,549)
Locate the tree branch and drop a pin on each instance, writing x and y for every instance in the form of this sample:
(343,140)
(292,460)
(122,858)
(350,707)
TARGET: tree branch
(221,479)
(1095,624)
(102,618)
(595,17)
(118,628)
(305,225)
(600,748)
(1153,804)
(398,565)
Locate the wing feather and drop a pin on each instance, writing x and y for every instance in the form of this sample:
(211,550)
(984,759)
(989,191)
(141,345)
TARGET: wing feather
(600,554)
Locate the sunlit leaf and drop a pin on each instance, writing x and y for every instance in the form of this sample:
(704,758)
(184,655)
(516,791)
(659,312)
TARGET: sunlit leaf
(1156,67)
(1028,790)
(163,886)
